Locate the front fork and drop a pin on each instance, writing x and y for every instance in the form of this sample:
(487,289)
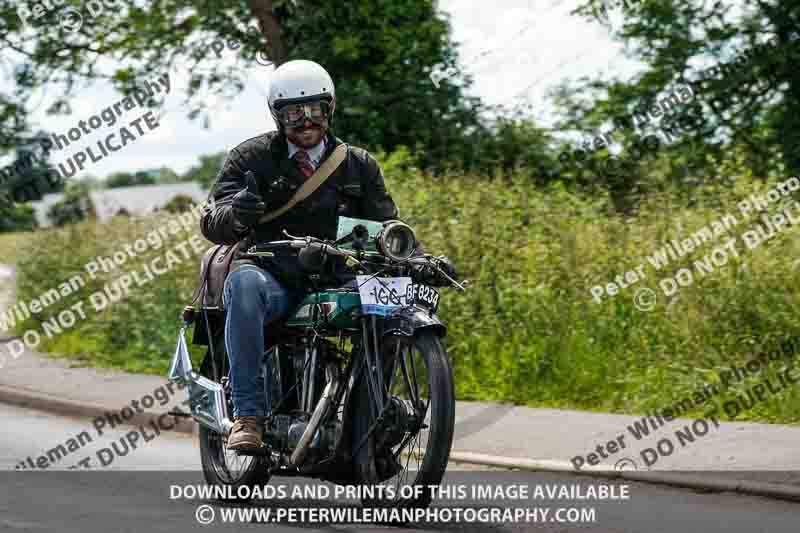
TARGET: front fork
(373,365)
(377,391)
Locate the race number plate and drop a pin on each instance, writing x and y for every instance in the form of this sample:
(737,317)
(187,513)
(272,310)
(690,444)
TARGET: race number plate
(381,296)
(424,296)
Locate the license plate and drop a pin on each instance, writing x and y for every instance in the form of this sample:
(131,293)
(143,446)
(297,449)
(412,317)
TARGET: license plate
(381,296)
(423,295)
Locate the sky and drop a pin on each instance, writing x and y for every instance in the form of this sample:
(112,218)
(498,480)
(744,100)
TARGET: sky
(515,55)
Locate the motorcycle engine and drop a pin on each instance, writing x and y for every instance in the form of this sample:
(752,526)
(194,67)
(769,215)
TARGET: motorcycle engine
(286,432)
(324,441)
(305,369)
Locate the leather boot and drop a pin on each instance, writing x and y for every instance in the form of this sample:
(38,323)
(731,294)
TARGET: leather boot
(247,433)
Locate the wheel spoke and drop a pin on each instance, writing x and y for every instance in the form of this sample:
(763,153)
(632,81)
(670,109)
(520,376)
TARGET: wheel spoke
(408,456)
(405,442)
(414,376)
(392,368)
(410,389)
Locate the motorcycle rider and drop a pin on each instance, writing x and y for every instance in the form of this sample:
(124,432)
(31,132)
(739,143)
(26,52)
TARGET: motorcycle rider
(302,101)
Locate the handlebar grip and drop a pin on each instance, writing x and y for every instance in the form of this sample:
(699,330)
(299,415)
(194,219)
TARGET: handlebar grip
(273,245)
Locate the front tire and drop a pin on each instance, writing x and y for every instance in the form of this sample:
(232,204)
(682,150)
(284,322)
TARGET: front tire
(430,446)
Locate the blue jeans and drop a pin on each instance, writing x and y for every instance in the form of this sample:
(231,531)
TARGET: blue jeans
(252,298)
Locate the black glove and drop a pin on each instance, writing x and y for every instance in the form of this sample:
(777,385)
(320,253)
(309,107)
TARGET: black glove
(444,263)
(431,276)
(248,207)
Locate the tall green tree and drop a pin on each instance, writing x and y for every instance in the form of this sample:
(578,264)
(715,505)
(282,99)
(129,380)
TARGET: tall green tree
(739,57)
(205,172)
(380,52)
(128,179)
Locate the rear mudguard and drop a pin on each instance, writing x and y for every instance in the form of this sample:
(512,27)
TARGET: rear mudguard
(408,320)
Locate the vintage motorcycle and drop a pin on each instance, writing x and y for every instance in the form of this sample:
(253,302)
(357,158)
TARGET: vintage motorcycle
(359,382)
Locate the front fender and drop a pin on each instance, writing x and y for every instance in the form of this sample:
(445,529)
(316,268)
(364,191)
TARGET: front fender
(408,320)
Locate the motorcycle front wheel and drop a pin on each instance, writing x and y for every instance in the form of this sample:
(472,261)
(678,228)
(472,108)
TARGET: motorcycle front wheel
(408,455)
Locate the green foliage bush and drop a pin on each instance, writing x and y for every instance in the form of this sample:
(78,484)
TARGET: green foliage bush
(179,203)
(136,333)
(527,331)
(75,206)
(16,217)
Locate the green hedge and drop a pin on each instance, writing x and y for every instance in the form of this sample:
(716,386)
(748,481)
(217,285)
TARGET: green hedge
(528,330)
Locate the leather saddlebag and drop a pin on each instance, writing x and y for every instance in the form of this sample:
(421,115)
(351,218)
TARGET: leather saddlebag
(214,269)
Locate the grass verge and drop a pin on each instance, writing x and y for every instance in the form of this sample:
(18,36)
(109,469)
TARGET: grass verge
(529,330)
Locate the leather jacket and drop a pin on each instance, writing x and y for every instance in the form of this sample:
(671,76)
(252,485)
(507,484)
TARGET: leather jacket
(356,189)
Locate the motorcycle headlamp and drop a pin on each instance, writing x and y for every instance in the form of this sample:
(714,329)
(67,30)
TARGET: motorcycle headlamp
(396,241)
(295,115)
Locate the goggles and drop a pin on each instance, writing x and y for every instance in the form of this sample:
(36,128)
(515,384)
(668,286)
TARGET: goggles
(295,115)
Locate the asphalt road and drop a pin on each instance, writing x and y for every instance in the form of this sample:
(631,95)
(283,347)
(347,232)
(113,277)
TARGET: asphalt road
(133,493)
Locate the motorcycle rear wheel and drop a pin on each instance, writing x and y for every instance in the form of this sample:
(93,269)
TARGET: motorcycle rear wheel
(223,467)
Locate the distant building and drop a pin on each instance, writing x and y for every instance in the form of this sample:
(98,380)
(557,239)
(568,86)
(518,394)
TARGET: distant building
(134,201)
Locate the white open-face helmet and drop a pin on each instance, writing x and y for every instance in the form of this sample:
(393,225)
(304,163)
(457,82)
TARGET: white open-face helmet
(300,82)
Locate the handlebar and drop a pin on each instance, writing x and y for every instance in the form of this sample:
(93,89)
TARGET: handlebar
(262,250)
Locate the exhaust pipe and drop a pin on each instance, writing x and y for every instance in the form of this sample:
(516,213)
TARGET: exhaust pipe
(328,395)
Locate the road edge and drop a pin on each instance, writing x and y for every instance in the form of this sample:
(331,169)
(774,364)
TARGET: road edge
(673,478)
(52,404)
(42,401)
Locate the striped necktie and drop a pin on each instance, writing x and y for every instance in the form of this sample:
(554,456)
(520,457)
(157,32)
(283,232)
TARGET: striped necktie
(303,162)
